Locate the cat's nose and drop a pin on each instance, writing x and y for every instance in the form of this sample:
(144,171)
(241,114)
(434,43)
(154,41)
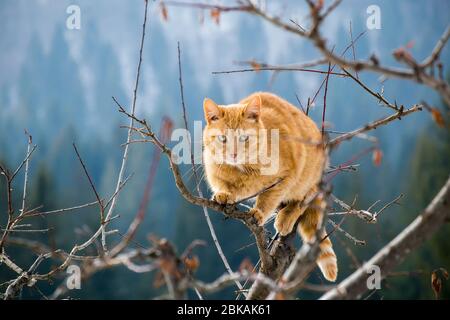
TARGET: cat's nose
(234,155)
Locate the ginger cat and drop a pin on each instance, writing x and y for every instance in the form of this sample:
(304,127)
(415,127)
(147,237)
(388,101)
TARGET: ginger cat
(234,169)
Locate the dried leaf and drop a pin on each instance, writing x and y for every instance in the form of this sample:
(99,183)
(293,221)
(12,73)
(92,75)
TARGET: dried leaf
(215,15)
(377,156)
(246,265)
(319,5)
(410,44)
(255,65)
(164,12)
(398,53)
(158,281)
(192,263)
(437,117)
(444,273)
(280,296)
(436,284)
(166,131)
(403,55)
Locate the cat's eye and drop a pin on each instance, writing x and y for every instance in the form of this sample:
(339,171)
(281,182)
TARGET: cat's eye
(243,138)
(222,138)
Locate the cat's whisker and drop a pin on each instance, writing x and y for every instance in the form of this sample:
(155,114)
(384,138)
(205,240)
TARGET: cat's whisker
(245,247)
(200,180)
(271,219)
(245,206)
(199,170)
(301,140)
(190,175)
(187,171)
(219,169)
(246,281)
(202,174)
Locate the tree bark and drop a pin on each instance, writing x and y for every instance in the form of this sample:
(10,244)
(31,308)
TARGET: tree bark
(282,253)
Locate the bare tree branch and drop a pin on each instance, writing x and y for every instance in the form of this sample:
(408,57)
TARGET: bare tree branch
(91,183)
(197,182)
(133,109)
(375,124)
(25,179)
(434,56)
(422,228)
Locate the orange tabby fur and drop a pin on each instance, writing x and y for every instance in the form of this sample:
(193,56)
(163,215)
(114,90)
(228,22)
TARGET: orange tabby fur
(301,161)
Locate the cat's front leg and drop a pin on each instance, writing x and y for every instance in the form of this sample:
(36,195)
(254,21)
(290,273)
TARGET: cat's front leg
(267,202)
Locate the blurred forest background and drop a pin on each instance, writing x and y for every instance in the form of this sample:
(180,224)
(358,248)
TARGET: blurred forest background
(57,84)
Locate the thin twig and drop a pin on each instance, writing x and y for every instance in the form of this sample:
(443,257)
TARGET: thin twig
(279,69)
(346,234)
(199,191)
(24,161)
(133,109)
(375,94)
(91,183)
(259,192)
(387,205)
(375,124)
(434,56)
(325,99)
(353,46)
(32,214)
(137,221)
(25,180)
(207,6)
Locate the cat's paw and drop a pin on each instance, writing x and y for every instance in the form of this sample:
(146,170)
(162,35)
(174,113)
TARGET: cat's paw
(223,197)
(258,216)
(284,222)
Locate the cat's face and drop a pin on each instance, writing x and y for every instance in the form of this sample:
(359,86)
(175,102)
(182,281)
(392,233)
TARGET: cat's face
(231,135)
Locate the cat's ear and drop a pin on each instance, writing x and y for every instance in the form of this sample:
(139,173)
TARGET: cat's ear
(253,108)
(211,109)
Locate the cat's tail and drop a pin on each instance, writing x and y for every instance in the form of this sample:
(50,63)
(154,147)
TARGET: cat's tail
(326,260)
